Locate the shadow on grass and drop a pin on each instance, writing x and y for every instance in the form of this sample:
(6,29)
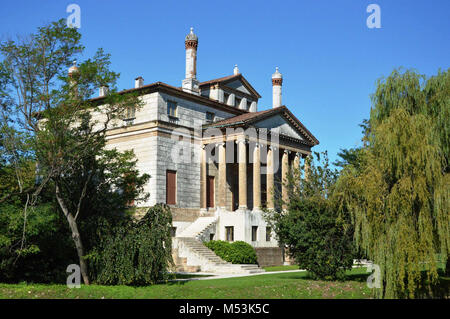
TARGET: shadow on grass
(358,277)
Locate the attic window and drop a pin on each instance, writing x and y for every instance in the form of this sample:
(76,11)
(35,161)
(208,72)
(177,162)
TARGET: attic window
(131,112)
(225,97)
(172,108)
(129,115)
(210,117)
(237,102)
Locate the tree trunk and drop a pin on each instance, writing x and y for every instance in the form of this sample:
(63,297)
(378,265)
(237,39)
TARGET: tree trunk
(75,235)
(79,246)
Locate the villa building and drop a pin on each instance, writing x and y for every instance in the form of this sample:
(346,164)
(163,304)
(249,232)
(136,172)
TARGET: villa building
(213,157)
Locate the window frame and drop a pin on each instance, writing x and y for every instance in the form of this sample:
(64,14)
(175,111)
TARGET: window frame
(213,116)
(254,233)
(268,233)
(175,186)
(175,109)
(129,115)
(229,230)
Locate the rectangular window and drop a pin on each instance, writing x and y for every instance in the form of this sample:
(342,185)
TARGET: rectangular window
(268,233)
(210,117)
(129,115)
(171,187)
(131,112)
(172,108)
(173,231)
(229,232)
(254,233)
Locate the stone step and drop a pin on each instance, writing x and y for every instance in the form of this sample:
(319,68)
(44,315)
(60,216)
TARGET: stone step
(216,263)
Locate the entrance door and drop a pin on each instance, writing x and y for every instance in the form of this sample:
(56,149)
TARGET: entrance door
(210,192)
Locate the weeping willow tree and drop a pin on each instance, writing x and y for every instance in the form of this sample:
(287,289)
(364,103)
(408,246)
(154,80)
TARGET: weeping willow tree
(399,192)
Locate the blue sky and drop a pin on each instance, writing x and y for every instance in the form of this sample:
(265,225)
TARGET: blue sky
(329,58)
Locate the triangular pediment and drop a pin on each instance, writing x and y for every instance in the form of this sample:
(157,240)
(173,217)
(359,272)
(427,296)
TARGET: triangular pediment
(280,119)
(238,86)
(235,82)
(279,124)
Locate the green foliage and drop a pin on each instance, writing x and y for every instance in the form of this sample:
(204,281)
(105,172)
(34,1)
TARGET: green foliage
(238,252)
(46,118)
(220,247)
(40,256)
(316,231)
(316,240)
(399,195)
(135,252)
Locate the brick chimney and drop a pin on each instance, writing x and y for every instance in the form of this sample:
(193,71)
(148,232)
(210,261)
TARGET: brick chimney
(190,83)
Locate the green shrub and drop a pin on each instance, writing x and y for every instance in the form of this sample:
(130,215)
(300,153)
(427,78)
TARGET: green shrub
(136,253)
(316,239)
(238,252)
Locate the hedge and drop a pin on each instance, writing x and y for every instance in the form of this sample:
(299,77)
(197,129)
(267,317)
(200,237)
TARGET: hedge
(238,252)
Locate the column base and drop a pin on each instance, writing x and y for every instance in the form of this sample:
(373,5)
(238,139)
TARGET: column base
(203,211)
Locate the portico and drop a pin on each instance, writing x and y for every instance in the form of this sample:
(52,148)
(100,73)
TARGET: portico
(250,171)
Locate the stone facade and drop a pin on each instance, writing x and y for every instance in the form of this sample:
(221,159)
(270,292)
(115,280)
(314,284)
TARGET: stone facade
(171,133)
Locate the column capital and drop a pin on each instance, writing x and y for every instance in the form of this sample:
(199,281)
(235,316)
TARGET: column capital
(287,152)
(241,141)
(273,148)
(220,144)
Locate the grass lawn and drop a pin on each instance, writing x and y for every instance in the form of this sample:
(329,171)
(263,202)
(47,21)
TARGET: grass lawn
(283,285)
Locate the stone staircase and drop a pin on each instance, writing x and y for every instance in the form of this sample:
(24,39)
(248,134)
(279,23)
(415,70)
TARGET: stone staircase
(199,228)
(195,253)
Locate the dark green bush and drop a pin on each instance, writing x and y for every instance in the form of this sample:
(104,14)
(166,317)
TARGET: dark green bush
(136,252)
(47,248)
(316,239)
(238,252)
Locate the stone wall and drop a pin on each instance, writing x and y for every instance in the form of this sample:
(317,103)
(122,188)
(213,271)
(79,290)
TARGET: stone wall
(187,174)
(144,148)
(269,256)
